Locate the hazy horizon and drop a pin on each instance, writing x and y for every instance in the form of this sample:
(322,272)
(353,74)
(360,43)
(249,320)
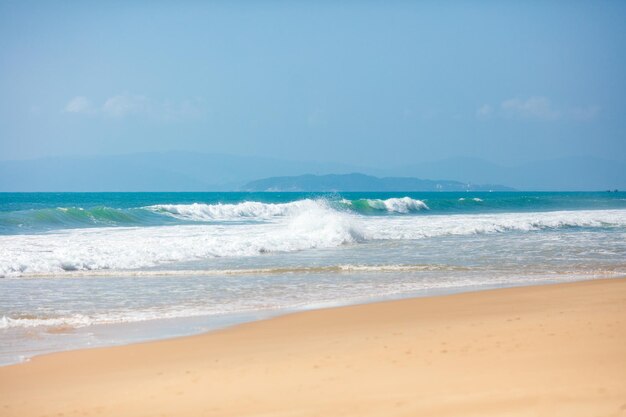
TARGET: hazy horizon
(196,171)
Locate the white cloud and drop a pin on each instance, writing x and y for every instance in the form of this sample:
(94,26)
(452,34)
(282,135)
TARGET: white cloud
(531,108)
(187,109)
(126,104)
(135,105)
(536,108)
(79,104)
(484,111)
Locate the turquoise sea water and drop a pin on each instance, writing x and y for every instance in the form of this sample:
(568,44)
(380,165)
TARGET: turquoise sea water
(91,269)
(39,212)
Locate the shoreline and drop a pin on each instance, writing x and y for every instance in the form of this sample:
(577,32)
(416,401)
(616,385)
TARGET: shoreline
(549,349)
(129,333)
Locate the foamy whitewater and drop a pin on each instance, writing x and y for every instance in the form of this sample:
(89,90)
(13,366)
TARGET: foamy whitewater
(96,269)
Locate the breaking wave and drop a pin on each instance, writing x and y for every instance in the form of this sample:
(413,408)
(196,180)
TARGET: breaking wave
(241,211)
(41,220)
(311,226)
(390,205)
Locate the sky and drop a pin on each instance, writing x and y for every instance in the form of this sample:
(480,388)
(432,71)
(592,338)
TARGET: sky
(366,83)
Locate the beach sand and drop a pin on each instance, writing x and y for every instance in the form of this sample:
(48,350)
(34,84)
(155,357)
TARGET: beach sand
(551,350)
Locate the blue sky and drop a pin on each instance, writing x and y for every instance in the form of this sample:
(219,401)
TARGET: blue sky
(367,83)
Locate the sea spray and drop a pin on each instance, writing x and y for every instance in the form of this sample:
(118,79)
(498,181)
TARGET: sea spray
(318,226)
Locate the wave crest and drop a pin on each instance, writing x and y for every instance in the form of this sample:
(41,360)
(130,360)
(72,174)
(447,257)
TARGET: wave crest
(391,205)
(244,210)
(320,227)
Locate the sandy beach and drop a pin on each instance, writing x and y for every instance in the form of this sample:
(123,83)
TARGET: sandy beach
(551,350)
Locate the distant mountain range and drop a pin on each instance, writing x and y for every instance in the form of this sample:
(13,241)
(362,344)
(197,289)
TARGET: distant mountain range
(189,171)
(361,182)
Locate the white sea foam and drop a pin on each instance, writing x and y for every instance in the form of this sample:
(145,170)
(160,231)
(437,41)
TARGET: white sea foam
(317,298)
(239,211)
(254,210)
(343,268)
(84,320)
(133,248)
(398,205)
(75,320)
(462,224)
(318,226)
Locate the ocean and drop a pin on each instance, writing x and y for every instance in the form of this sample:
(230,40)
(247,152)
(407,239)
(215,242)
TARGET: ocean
(96,269)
